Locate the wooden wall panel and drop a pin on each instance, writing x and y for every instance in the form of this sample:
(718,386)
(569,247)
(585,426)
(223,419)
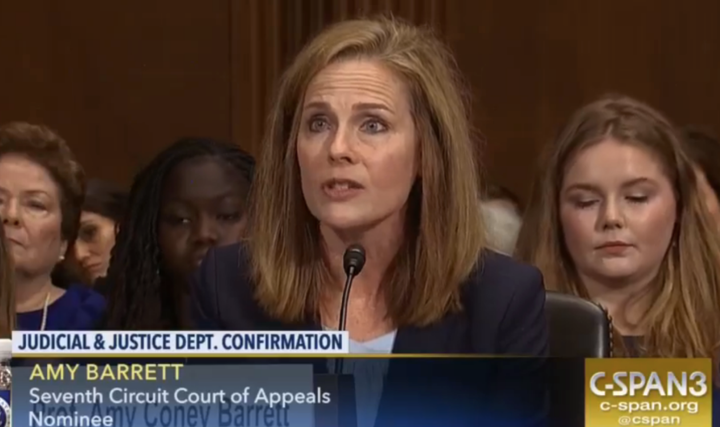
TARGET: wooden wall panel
(118,79)
(529,68)
(255,67)
(267,34)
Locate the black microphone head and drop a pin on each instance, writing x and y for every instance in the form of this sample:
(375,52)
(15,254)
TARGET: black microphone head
(354,259)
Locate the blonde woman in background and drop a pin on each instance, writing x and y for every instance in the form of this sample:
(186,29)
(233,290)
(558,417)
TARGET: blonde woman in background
(616,217)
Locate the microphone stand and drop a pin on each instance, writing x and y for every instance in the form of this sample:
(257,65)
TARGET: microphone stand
(345,412)
(343,313)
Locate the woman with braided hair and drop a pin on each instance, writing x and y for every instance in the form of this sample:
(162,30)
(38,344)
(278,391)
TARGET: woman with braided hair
(190,198)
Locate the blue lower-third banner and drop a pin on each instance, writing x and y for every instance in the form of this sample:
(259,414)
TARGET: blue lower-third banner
(164,394)
(356,392)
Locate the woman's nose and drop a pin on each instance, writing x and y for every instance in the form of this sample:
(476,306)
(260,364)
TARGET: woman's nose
(81,253)
(11,221)
(9,214)
(340,150)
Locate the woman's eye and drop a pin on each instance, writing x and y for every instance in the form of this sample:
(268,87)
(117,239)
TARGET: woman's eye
(87,234)
(37,206)
(176,220)
(318,125)
(230,216)
(637,199)
(374,126)
(582,204)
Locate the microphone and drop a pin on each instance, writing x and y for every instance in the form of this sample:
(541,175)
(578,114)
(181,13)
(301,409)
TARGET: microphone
(353,263)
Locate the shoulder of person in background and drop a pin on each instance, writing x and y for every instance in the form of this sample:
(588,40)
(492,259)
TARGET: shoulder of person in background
(101,286)
(84,308)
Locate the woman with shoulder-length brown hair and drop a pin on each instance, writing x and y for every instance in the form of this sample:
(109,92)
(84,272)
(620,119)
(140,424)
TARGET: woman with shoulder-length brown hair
(368,142)
(7,290)
(42,187)
(616,217)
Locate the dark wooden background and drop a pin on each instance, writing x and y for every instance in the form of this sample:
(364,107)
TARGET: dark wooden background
(122,79)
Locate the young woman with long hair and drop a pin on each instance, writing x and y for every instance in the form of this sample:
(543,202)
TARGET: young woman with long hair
(616,217)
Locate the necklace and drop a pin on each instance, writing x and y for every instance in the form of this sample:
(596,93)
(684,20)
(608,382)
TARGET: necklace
(45,312)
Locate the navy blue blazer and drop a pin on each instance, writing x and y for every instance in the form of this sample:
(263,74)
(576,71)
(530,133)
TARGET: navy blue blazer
(503,314)
(503,300)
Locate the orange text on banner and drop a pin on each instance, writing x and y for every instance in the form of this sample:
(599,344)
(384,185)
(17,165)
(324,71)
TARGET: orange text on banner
(648,392)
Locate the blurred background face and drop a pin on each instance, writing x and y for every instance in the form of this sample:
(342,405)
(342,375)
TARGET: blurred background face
(203,205)
(618,210)
(502,205)
(30,208)
(503,223)
(708,195)
(94,244)
(357,146)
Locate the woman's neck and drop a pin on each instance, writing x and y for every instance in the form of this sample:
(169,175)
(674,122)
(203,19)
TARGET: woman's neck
(625,301)
(32,292)
(367,311)
(381,244)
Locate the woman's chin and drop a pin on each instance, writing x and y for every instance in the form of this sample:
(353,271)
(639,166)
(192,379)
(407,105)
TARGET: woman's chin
(340,223)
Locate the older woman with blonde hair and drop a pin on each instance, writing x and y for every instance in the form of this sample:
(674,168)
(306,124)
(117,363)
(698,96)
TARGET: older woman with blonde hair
(616,217)
(368,142)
